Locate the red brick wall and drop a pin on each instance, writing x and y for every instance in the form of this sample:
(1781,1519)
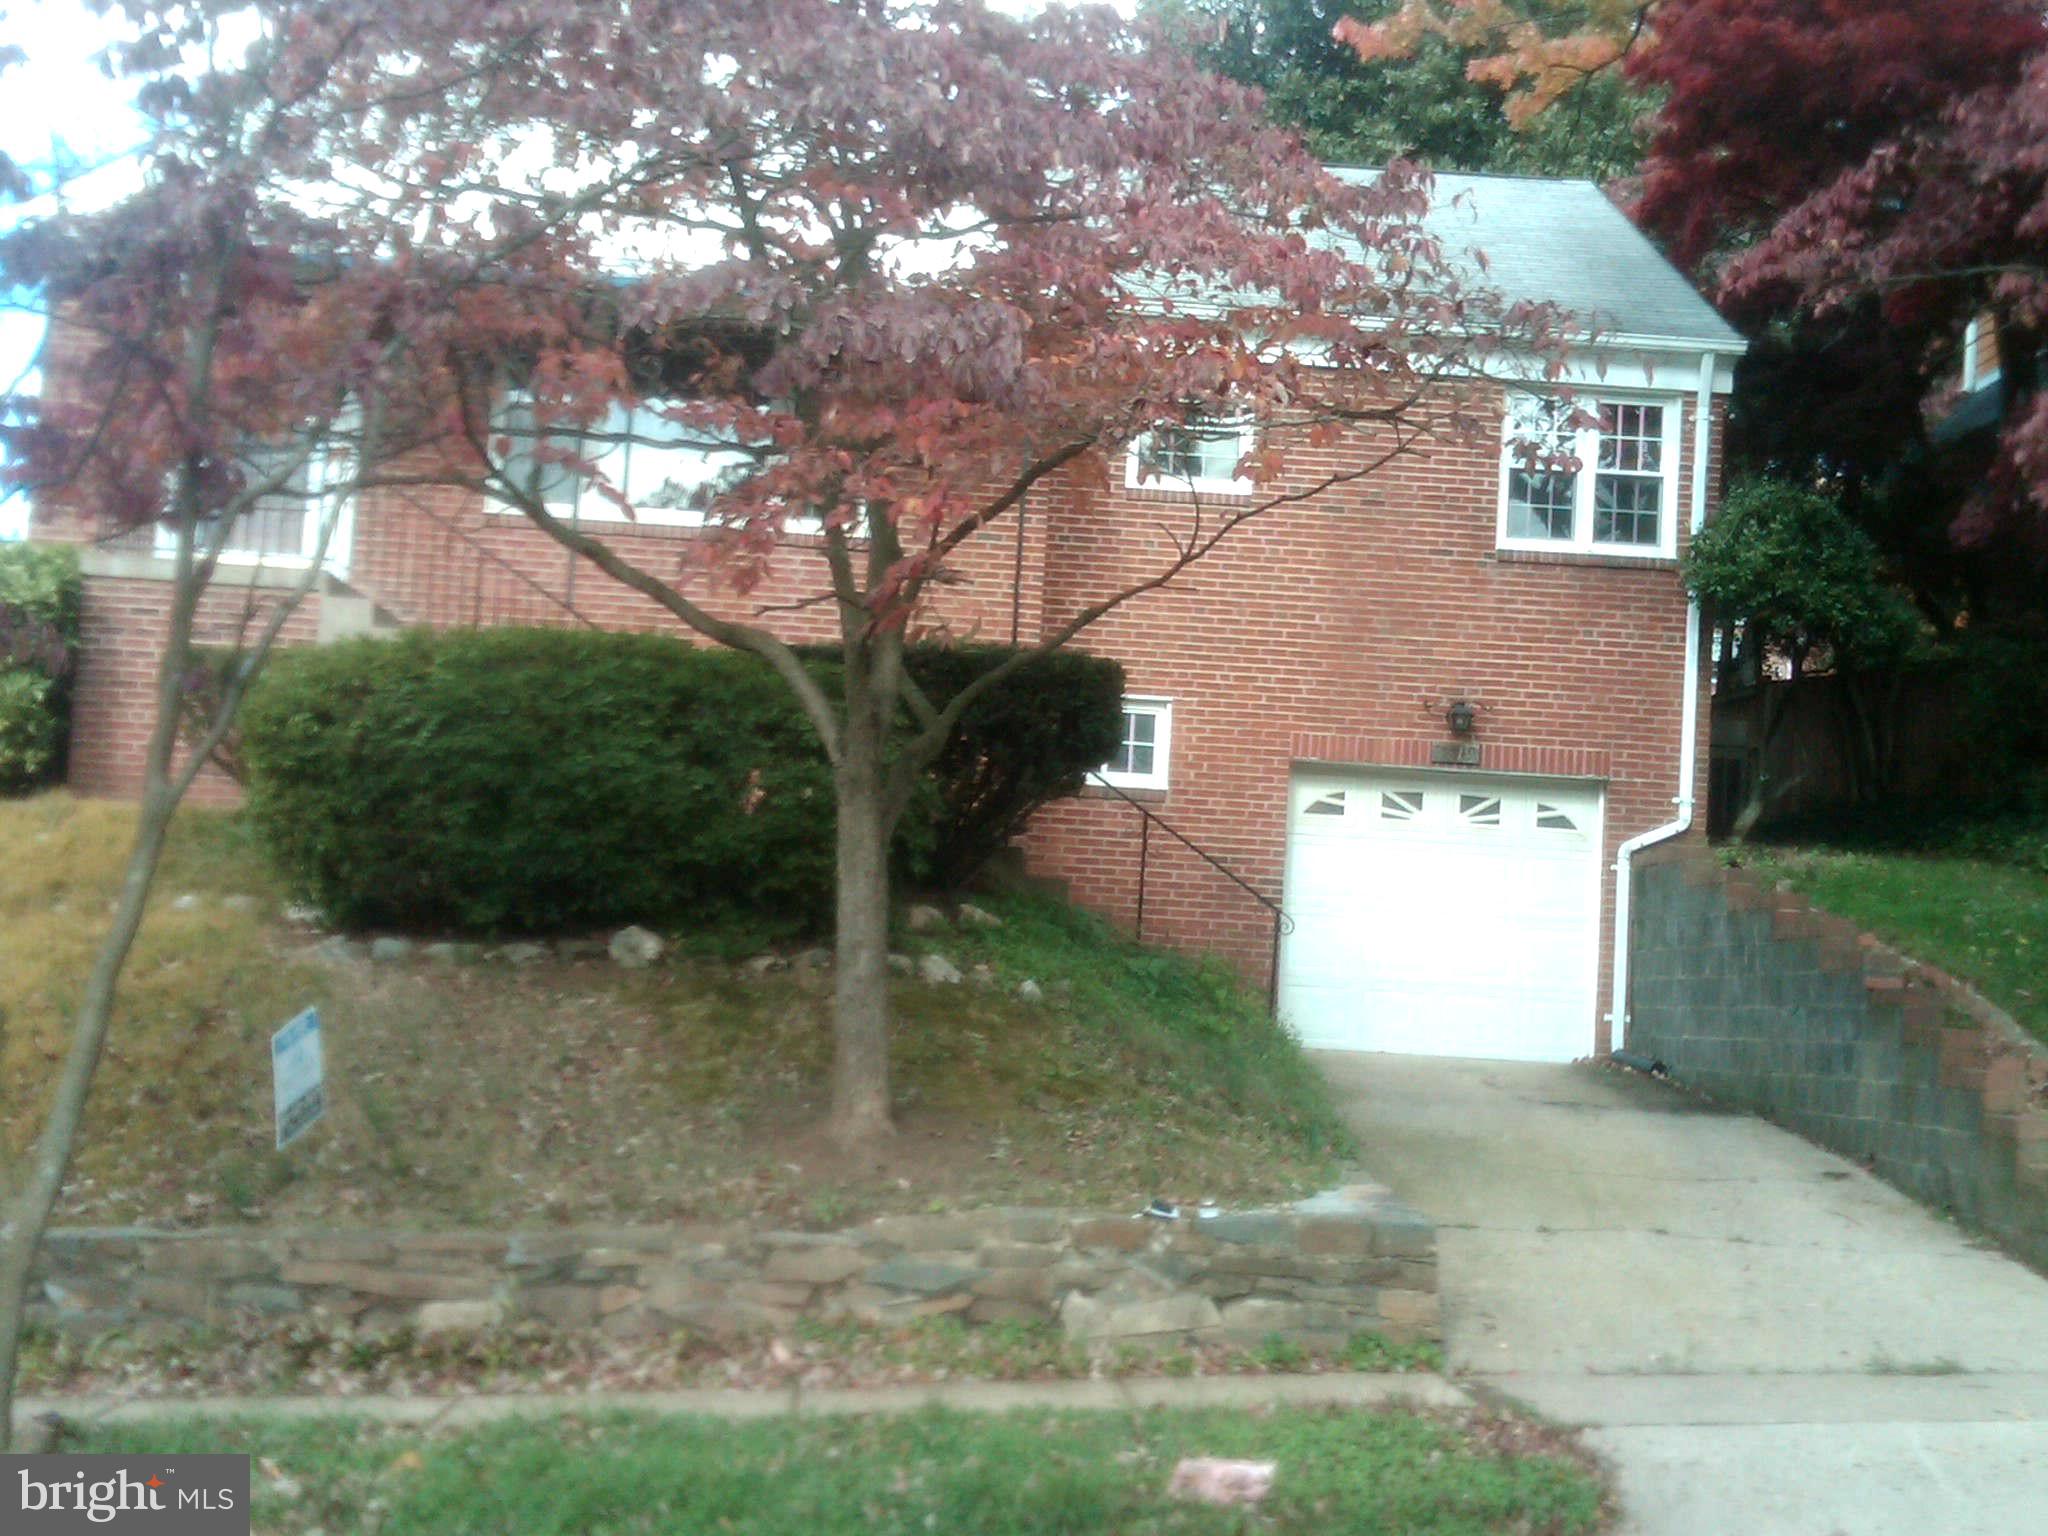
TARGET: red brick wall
(114,696)
(438,557)
(1337,631)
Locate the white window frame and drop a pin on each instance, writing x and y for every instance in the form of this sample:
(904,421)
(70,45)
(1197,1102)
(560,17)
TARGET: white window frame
(1139,478)
(1585,448)
(1975,376)
(591,507)
(1161,711)
(321,502)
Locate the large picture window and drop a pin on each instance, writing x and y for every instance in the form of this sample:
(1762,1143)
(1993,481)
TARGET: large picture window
(667,471)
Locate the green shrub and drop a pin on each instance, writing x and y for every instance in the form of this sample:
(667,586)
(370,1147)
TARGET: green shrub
(2001,688)
(40,596)
(540,780)
(1029,740)
(534,780)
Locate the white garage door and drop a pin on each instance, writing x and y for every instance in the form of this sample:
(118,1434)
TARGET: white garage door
(1442,914)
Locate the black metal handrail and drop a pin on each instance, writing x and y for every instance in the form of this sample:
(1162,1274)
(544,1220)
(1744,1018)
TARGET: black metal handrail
(1148,819)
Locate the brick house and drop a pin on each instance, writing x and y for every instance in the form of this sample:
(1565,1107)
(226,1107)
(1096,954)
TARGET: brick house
(1427,715)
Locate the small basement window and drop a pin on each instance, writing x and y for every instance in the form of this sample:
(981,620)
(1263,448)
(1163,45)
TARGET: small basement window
(1201,454)
(1142,759)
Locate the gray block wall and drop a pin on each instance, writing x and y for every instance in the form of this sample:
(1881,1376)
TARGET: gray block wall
(1749,995)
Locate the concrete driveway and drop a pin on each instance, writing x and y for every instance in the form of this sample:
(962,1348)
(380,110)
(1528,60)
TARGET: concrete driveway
(1761,1337)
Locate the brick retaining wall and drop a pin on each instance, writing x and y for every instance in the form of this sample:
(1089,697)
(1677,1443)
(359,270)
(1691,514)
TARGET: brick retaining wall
(1751,995)
(1320,1270)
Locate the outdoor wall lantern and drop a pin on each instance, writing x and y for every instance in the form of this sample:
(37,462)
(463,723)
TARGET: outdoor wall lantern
(1461,717)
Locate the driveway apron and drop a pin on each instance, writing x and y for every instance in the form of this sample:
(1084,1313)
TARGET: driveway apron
(1760,1336)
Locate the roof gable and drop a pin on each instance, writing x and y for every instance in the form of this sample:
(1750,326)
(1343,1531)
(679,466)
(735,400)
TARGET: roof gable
(1566,243)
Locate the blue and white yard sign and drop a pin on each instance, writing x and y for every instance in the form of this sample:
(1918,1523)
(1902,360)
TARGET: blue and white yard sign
(298,1079)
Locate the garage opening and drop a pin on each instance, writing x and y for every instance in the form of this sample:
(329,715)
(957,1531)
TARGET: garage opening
(1442,914)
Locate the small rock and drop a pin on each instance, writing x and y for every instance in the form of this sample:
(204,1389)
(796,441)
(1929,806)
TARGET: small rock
(938,971)
(452,953)
(758,966)
(972,916)
(1088,1319)
(187,903)
(337,951)
(927,1277)
(983,974)
(1029,991)
(305,914)
(242,904)
(819,959)
(902,965)
(522,954)
(460,1316)
(924,918)
(826,1264)
(387,950)
(636,948)
(1209,1480)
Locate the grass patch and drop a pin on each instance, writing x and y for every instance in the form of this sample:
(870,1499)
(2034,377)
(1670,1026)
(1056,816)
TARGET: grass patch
(1982,921)
(1016,1474)
(314,1357)
(573,1091)
(202,988)
(1198,1042)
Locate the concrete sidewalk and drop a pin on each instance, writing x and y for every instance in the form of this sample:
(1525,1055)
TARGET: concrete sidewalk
(1758,1335)
(1338,1389)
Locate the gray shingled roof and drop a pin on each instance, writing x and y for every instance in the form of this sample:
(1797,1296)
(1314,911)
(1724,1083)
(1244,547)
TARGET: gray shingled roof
(1565,242)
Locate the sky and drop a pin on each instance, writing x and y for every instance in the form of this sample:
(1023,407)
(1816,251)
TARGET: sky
(58,98)
(60,102)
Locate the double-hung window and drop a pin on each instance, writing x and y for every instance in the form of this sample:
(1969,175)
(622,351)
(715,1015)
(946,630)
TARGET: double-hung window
(1201,454)
(1598,475)
(281,527)
(669,472)
(1142,755)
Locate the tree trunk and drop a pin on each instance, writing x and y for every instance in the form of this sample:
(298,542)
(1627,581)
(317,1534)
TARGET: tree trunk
(860,1017)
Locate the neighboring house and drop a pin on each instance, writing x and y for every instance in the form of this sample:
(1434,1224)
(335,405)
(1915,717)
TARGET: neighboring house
(1423,713)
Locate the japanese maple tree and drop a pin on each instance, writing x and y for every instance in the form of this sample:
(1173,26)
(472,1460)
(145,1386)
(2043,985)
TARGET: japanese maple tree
(904,265)
(894,266)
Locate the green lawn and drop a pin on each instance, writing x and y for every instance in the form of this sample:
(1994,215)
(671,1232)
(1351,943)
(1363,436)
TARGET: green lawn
(1984,922)
(690,1090)
(1011,1475)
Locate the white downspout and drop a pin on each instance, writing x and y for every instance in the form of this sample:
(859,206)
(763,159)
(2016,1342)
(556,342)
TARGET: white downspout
(1689,714)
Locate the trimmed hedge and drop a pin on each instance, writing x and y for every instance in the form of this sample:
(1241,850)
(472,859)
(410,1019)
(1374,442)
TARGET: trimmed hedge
(514,780)
(40,599)
(1031,739)
(517,780)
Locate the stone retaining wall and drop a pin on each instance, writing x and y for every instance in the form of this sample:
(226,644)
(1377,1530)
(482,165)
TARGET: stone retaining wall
(1320,1270)
(1749,994)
